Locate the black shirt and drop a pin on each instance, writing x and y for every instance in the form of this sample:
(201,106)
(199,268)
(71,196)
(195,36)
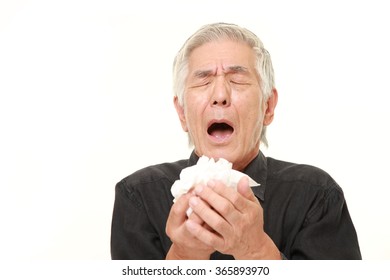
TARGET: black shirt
(305,212)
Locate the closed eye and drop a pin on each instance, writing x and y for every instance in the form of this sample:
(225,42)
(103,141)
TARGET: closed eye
(200,85)
(239,82)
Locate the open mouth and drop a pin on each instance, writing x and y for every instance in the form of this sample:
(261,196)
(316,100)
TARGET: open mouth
(220,130)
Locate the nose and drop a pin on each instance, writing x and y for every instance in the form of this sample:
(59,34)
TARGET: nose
(221,93)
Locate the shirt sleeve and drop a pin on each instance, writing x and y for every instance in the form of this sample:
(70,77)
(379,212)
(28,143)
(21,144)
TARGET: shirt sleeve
(132,235)
(328,232)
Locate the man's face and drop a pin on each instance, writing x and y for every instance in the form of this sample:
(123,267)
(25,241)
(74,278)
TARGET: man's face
(223,104)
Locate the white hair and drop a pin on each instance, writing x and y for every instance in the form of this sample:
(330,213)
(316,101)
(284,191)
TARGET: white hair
(215,32)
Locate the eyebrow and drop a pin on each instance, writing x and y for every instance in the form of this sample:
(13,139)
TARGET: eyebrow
(231,69)
(203,73)
(236,69)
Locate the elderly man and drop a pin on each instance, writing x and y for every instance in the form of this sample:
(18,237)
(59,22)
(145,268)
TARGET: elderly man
(225,97)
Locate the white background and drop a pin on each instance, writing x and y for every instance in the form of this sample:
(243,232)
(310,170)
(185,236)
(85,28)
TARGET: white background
(86,99)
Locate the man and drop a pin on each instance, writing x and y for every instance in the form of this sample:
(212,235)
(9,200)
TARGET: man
(225,97)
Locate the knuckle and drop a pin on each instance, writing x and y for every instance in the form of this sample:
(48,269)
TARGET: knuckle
(224,209)
(218,224)
(175,210)
(194,217)
(235,198)
(168,230)
(227,247)
(209,240)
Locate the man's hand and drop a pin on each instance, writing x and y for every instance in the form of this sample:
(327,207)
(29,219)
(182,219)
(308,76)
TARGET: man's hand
(184,244)
(236,220)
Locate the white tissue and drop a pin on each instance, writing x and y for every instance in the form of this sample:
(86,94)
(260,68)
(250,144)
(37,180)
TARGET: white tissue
(207,169)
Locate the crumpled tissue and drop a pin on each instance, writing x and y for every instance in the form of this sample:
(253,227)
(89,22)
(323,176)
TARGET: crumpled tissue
(207,169)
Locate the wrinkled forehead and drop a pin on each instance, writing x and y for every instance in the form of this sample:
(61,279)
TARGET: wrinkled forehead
(233,69)
(222,55)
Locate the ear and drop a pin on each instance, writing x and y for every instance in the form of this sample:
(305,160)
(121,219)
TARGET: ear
(270,107)
(180,113)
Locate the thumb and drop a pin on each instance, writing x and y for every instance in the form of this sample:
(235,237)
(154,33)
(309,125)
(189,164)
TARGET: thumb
(244,189)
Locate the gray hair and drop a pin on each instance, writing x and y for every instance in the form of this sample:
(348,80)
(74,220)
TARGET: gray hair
(215,32)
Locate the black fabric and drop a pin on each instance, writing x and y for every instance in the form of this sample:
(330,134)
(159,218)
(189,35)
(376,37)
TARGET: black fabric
(305,212)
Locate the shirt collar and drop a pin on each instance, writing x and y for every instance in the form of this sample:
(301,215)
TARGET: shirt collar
(256,169)
(193,159)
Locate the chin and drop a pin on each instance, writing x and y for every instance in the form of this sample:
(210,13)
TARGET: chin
(227,154)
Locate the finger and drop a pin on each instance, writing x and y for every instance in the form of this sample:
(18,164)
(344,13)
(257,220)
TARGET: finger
(219,201)
(209,215)
(204,235)
(195,218)
(237,201)
(177,214)
(245,190)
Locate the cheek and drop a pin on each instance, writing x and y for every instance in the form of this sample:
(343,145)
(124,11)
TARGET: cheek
(250,106)
(253,116)
(196,104)
(193,113)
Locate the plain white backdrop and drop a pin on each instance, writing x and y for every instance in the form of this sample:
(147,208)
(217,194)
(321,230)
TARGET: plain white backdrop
(86,99)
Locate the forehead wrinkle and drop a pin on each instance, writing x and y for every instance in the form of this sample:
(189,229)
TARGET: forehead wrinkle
(230,70)
(236,69)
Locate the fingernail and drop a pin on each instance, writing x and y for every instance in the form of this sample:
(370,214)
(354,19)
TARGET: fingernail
(211,184)
(193,201)
(189,212)
(198,189)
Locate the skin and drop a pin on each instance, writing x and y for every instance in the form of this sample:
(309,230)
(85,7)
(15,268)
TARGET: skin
(222,86)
